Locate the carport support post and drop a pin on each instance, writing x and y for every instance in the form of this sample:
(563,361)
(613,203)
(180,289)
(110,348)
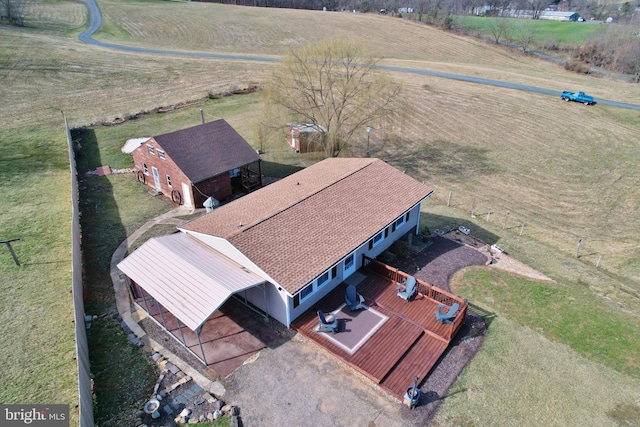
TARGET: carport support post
(180,329)
(164,323)
(144,299)
(198,331)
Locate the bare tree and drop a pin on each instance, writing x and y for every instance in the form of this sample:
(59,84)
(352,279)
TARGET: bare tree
(13,11)
(496,29)
(336,86)
(525,34)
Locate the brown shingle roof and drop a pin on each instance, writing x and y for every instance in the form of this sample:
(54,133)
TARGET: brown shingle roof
(207,150)
(298,227)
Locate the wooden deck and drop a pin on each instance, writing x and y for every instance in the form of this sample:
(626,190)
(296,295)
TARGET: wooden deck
(408,344)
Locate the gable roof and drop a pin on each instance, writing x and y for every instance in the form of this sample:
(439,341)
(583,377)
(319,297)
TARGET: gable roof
(187,277)
(298,227)
(207,150)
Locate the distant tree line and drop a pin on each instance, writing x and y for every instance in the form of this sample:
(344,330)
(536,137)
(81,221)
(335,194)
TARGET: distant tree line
(12,11)
(437,11)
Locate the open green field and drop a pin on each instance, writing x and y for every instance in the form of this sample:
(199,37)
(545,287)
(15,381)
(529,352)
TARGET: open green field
(566,34)
(564,171)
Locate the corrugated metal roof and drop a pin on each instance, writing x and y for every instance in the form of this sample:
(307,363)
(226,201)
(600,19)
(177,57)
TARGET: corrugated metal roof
(188,278)
(298,227)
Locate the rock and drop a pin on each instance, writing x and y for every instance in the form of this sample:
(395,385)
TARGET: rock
(185,412)
(134,340)
(172,368)
(201,418)
(199,401)
(210,416)
(217,414)
(216,389)
(156,356)
(226,409)
(218,404)
(193,421)
(209,398)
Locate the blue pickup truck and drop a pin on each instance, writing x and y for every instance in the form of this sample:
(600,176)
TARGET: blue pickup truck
(577,97)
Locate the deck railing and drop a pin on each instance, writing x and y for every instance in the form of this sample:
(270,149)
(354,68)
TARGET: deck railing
(434,293)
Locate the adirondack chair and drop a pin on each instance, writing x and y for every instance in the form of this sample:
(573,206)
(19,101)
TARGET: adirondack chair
(353,299)
(408,289)
(327,325)
(445,314)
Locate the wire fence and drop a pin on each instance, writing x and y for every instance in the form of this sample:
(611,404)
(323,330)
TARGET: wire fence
(511,223)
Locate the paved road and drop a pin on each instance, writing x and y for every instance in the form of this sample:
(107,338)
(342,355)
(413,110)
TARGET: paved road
(95,21)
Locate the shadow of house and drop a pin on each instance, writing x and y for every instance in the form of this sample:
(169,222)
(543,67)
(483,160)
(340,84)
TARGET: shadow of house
(194,164)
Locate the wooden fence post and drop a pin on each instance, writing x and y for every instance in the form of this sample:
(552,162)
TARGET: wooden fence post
(578,247)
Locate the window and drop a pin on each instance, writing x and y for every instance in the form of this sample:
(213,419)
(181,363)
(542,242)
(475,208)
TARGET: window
(306,291)
(324,278)
(349,262)
(376,239)
(151,150)
(161,154)
(145,169)
(399,222)
(168,180)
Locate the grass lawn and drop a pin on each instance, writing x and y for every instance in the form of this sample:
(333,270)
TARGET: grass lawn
(563,171)
(36,310)
(565,34)
(520,377)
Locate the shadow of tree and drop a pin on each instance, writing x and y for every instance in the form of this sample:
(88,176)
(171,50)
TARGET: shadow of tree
(439,158)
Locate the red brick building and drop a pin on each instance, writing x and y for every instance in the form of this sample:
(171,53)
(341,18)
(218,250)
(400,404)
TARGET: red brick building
(193,164)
